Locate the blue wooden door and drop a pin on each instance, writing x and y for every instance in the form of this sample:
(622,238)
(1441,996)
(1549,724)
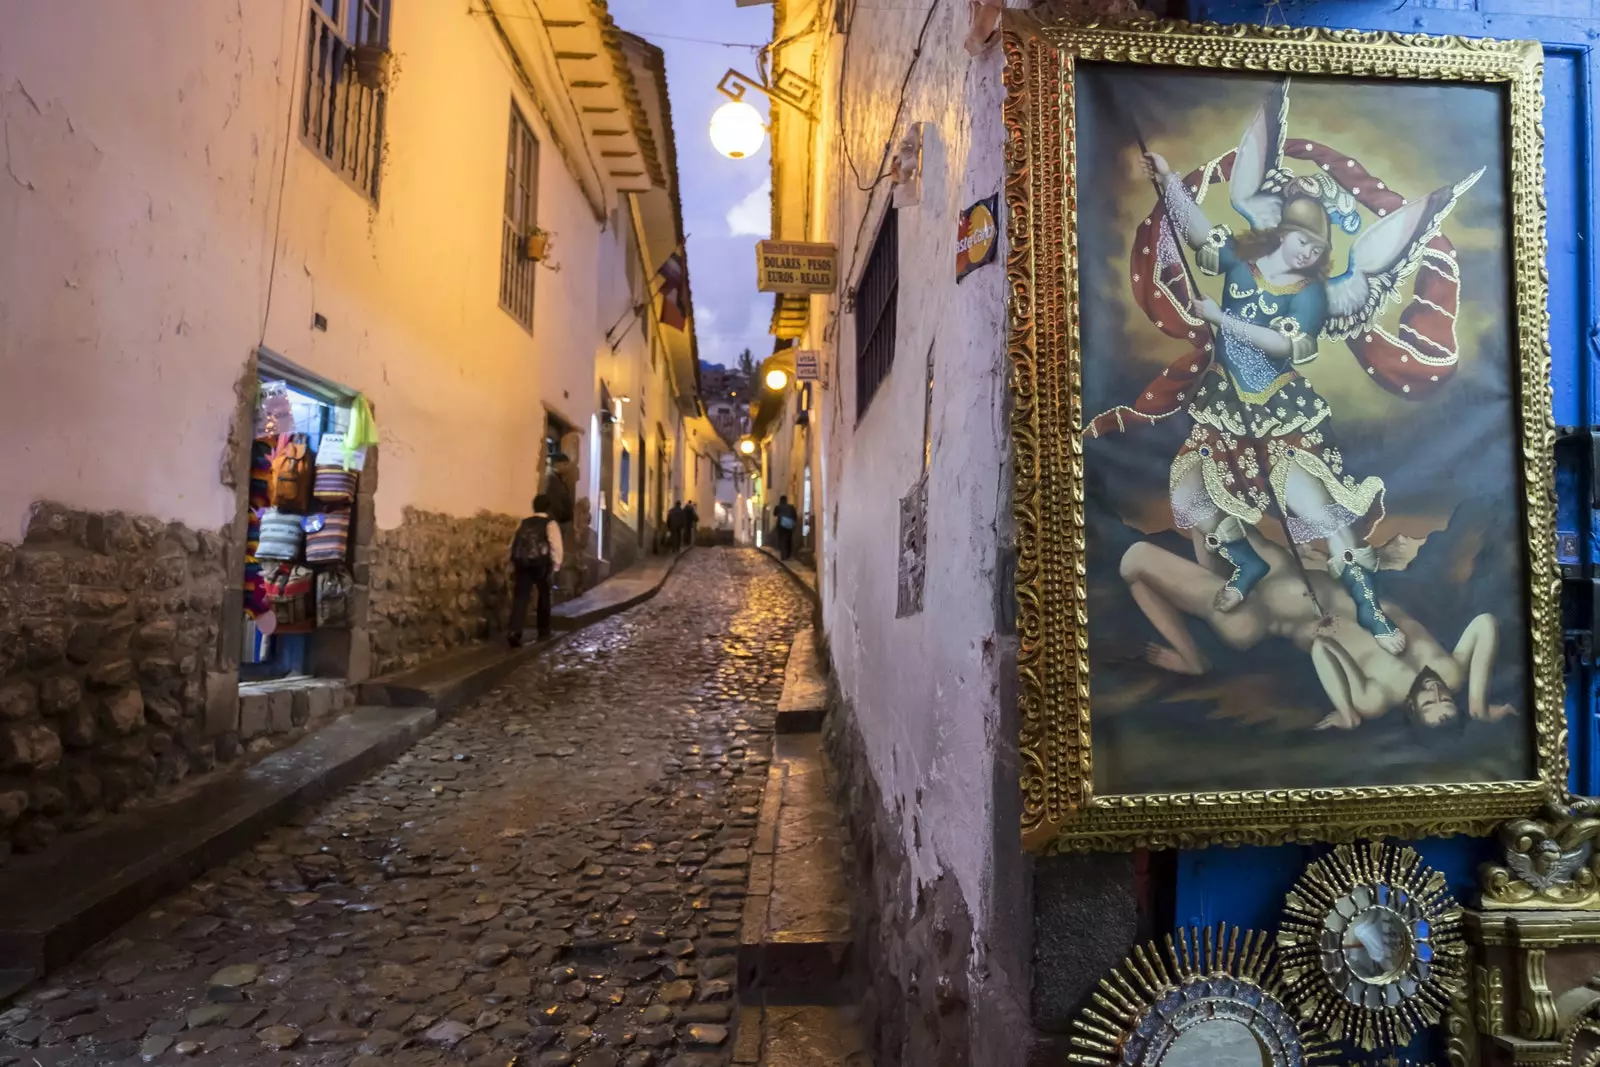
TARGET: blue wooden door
(1247,886)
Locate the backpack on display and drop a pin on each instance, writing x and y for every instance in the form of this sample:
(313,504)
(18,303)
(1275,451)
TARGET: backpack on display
(289,481)
(333,597)
(289,590)
(531,546)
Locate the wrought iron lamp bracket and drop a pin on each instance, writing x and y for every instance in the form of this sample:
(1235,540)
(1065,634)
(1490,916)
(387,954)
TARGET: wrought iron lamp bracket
(789,87)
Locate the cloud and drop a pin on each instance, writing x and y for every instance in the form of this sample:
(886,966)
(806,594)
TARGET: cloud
(752,216)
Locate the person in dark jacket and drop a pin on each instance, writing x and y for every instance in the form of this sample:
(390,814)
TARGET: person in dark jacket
(788,521)
(535,559)
(691,519)
(675,526)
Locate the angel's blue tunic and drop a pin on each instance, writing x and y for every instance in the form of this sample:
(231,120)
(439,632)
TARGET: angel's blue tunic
(1300,307)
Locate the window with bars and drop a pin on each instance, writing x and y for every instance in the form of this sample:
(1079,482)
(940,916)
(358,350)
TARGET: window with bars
(877,295)
(522,201)
(341,115)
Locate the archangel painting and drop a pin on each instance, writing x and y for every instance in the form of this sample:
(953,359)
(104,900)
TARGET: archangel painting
(1299,384)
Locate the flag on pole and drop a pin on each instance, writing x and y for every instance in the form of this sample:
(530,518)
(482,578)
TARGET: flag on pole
(674,290)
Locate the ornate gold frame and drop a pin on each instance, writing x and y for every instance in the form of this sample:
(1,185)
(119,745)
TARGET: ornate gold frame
(1061,811)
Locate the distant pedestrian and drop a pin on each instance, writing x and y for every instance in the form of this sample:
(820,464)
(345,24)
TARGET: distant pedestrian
(535,558)
(788,520)
(675,526)
(691,519)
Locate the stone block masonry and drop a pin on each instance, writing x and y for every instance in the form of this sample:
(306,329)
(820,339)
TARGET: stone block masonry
(108,632)
(438,582)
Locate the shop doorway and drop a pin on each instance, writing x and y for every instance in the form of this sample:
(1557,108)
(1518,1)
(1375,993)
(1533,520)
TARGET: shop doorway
(307,505)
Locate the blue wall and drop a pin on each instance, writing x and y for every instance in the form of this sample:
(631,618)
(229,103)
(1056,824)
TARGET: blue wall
(1247,886)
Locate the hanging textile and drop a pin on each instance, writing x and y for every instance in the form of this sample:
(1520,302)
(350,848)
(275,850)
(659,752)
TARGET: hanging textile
(362,434)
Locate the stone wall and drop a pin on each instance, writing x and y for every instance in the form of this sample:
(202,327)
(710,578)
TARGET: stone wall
(108,626)
(438,582)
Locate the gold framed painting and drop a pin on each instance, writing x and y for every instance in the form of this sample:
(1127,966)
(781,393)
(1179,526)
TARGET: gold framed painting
(1282,435)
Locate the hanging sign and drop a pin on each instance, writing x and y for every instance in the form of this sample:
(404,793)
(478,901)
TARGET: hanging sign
(796,269)
(808,366)
(977,236)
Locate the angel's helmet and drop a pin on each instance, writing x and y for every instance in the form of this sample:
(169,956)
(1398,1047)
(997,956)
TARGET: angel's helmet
(1306,232)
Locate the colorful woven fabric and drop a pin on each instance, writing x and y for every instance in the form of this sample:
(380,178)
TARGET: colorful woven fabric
(334,485)
(281,536)
(327,537)
(260,469)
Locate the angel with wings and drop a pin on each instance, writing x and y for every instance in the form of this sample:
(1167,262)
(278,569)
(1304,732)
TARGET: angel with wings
(1261,442)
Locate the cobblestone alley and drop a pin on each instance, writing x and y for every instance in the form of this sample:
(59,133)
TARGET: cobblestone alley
(553,877)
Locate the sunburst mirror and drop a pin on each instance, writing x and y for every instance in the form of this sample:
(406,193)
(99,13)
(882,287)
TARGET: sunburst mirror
(1209,998)
(1371,945)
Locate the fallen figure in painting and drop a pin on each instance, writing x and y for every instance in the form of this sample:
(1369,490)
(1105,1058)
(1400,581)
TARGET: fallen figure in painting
(1361,679)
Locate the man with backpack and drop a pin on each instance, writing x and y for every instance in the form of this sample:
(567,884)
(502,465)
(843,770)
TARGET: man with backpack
(535,558)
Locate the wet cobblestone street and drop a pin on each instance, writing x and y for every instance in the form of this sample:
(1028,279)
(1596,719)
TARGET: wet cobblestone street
(553,877)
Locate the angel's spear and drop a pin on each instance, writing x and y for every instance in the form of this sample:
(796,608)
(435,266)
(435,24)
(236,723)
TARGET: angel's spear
(1178,233)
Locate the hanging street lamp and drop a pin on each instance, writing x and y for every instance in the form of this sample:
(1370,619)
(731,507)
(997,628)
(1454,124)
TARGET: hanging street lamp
(737,129)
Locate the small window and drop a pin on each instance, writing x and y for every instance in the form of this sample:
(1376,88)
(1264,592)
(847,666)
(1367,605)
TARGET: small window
(876,298)
(522,201)
(342,111)
(627,471)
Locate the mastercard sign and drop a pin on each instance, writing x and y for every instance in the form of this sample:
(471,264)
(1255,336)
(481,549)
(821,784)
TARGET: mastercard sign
(978,236)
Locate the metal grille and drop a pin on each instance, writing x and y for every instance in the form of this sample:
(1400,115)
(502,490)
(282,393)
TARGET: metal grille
(876,300)
(522,191)
(342,118)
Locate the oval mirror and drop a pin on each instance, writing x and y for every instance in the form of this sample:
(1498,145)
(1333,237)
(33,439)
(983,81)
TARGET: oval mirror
(1377,945)
(1216,1043)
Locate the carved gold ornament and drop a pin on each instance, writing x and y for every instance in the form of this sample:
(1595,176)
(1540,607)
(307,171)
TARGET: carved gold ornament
(1582,1044)
(1210,998)
(1550,862)
(1371,945)
(1062,810)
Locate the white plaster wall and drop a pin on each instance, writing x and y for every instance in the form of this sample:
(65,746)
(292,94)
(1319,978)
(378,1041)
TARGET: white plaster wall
(140,152)
(145,145)
(924,689)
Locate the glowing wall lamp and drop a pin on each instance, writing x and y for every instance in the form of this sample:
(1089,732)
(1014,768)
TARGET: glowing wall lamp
(777,378)
(747,446)
(737,130)
(736,127)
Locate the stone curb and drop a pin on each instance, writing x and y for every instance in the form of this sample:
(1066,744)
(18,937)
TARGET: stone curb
(794,575)
(789,950)
(154,851)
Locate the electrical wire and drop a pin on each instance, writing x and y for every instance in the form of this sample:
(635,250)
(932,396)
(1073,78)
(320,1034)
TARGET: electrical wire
(283,180)
(636,33)
(844,135)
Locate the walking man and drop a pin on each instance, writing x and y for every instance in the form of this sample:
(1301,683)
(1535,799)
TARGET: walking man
(787,519)
(691,518)
(535,558)
(675,525)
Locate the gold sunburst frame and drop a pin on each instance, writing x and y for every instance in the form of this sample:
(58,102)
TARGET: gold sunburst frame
(1342,903)
(1061,809)
(1156,997)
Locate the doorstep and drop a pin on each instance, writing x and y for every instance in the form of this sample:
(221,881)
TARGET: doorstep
(805,687)
(795,939)
(457,678)
(802,1035)
(56,904)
